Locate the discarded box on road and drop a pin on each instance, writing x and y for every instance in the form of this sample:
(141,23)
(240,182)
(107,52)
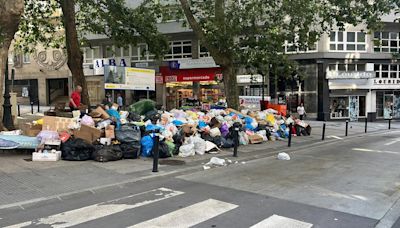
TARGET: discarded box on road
(31,130)
(87,133)
(52,123)
(39,156)
(254,139)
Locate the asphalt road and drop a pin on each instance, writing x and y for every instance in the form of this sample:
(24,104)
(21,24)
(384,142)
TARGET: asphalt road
(346,183)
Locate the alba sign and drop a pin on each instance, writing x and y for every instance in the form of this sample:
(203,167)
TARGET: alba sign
(98,64)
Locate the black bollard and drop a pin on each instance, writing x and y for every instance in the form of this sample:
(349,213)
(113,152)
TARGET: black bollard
(32,108)
(323,131)
(38,107)
(19,111)
(347,127)
(236,128)
(366,124)
(390,123)
(155,150)
(290,136)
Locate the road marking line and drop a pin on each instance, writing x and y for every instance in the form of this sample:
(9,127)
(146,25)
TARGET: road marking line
(276,221)
(96,211)
(335,137)
(189,216)
(392,142)
(376,151)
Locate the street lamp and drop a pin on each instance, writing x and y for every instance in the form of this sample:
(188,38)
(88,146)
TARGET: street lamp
(7,116)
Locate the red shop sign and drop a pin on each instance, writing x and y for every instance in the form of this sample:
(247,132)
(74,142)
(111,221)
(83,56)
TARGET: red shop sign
(190,75)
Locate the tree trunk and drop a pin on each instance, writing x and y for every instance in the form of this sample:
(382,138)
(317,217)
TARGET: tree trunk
(10,16)
(230,86)
(75,56)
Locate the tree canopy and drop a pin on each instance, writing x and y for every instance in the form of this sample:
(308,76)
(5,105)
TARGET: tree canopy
(251,33)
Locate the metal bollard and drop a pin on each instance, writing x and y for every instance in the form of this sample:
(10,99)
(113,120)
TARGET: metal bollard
(390,123)
(236,129)
(366,125)
(38,107)
(19,111)
(347,127)
(290,136)
(155,150)
(323,131)
(32,108)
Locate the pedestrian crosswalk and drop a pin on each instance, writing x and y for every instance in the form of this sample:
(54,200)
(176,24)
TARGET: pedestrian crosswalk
(189,216)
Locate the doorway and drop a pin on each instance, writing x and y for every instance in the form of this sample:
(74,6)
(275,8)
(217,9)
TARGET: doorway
(57,90)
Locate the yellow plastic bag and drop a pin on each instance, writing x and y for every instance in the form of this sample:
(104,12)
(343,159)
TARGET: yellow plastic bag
(271,119)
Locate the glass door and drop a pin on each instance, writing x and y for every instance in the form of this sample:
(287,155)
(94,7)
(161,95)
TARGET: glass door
(388,106)
(354,108)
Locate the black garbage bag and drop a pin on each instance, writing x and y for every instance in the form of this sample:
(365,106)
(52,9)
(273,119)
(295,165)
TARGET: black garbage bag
(227,143)
(130,150)
(108,153)
(178,141)
(152,115)
(128,134)
(217,141)
(77,150)
(133,116)
(163,150)
(308,130)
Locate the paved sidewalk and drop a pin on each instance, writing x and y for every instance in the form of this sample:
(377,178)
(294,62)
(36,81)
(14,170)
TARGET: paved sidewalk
(23,181)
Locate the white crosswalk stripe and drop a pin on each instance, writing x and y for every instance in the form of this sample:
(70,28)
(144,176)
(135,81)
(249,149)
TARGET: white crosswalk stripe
(93,212)
(276,221)
(189,216)
(182,218)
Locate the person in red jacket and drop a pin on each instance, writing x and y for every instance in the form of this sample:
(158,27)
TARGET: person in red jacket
(75,100)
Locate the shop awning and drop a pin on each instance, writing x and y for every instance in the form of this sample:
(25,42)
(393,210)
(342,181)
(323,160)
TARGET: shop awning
(190,75)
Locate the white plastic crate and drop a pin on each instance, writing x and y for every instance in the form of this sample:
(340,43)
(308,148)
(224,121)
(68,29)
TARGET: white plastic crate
(36,156)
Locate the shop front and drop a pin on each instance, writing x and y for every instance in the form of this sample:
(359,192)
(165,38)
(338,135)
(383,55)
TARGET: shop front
(192,87)
(350,95)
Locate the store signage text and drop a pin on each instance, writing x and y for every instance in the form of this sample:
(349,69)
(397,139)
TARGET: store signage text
(387,81)
(207,62)
(350,75)
(98,64)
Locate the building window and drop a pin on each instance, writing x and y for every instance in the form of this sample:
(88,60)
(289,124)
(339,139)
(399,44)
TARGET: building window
(203,52)
(346,67)
(179,50)
(141,53)
(90,54)
(348,41)
(387,70)
(27,58)
(293,47)
(387,42)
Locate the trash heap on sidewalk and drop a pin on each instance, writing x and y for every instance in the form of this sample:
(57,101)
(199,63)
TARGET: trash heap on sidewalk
(106,134)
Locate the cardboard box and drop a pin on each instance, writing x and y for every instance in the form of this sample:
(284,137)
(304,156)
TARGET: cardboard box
(36,156)
(31,130)
(53,123)
(99,112)
(254,139)
(110,131)
(52,144)
(88,133)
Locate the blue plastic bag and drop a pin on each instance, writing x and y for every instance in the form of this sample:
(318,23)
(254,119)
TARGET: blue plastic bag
(114,113)
(147,146)
(177,122)
(152,127)
(248,121)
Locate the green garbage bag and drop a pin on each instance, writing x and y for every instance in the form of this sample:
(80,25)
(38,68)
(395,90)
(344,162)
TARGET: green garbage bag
(171,147)
(142,107)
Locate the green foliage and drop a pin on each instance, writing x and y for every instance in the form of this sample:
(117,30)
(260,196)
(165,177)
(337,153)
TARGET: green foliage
(42,24)
(252,32)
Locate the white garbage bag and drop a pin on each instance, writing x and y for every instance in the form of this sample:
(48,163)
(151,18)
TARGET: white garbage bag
(187,150)
(214,132)
(199,145)
(210,146)
(216,162)
(283,156)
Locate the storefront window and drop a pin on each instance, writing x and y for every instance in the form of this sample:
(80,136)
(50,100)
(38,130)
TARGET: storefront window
(339,107)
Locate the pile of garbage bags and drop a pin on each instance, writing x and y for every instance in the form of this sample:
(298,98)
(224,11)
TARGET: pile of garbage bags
(107,134)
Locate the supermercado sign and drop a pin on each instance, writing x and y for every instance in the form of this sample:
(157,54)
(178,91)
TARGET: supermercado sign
(129,78)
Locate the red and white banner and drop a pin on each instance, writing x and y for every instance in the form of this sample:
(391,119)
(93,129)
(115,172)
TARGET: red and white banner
(190,75)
